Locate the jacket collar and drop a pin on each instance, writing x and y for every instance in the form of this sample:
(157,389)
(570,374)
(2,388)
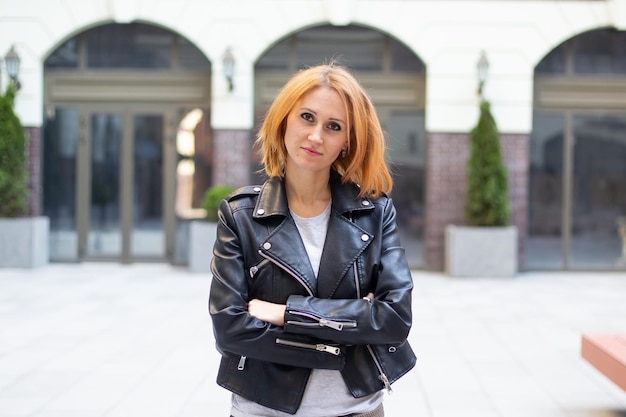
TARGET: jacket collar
(272,199)
(344,241)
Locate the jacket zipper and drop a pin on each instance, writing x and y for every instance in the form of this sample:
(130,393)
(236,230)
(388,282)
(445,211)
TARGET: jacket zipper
(255,268)
(320,321)
(381,374)
(356,271)
(252,271)
(319,346)
(356,281)
(281,266)
(326,348)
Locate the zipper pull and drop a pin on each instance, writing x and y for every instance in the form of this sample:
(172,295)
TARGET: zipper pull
(253,270)
(332,324)
(326,348)
(241,364)
(385,380)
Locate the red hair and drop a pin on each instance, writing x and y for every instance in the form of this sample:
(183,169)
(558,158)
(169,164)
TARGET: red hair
(364,163)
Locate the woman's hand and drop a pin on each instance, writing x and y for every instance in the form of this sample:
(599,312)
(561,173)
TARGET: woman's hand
(268,312)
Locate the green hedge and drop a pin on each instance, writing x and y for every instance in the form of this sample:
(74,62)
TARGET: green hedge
(486,199)
(13,191)
(212,199)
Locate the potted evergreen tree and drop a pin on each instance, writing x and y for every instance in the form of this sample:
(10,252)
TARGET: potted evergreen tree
(202,232)
(23,239)
(487,244)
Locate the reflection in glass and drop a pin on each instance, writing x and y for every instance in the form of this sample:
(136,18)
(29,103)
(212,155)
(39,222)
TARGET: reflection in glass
(544,245)
(404,59)
(148,237)
(193,174)
(104,235)
(190,134)
(406,153)
(355,46)
(185,171)
(621,227)
(190,57)
(135,45)
(59,182)
(65,56)
(599,191)
(131,46)
(185,138)
(358,47)
(554,62)
(600,52)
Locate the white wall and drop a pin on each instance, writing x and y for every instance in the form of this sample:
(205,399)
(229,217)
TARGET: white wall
(447,35)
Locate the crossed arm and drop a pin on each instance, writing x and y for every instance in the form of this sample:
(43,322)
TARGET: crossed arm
(271,312)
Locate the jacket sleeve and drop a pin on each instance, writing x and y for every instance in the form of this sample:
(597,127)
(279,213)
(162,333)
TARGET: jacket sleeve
(384,320)
(236,332)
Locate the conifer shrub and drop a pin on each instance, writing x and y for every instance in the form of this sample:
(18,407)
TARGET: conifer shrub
(486,198)
(13,191)
(212,199)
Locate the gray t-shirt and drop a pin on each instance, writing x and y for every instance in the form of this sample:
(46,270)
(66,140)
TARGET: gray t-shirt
(326,393)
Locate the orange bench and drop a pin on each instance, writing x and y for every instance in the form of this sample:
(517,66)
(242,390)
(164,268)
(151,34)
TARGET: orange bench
(607,353)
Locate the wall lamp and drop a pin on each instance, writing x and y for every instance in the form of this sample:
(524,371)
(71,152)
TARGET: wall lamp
(228,63)
(12,63)
(482,68)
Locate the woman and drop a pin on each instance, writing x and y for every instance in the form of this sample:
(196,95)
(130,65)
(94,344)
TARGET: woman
(311,291)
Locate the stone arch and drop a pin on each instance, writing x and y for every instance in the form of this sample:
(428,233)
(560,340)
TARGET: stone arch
(578,154)
(395,78)
(139,82)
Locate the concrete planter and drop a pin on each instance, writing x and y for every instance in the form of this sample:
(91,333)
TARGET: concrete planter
(481,251)
(24,242)
(201,240)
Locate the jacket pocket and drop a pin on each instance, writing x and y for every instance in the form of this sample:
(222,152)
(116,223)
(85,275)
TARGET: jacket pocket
(320,347)
(317,321)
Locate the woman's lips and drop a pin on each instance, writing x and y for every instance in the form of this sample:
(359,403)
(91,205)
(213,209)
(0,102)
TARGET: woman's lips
(311,151)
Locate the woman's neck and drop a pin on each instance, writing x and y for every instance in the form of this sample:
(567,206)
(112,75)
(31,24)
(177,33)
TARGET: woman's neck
(308,196)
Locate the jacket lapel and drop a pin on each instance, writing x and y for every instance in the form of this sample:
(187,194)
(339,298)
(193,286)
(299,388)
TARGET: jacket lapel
(292,255)
(284,243)
(345,241)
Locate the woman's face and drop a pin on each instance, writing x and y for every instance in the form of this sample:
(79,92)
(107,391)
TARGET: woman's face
(316,131)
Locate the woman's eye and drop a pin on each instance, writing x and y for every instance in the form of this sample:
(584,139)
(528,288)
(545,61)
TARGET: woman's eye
(307,116)
(334,126)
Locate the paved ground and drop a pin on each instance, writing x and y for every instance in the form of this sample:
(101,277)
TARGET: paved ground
(96,340)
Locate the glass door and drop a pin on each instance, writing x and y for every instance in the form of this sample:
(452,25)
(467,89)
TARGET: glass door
(104,232)
(60,179)
(577,204)
(147,238)
(122,186)
(598,224)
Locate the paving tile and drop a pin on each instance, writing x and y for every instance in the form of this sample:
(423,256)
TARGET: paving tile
(110,340)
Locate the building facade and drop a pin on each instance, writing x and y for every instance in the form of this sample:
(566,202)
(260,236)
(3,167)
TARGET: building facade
(133,109)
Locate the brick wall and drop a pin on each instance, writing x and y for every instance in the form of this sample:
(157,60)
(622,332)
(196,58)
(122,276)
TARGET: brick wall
(231,157)
(33,169)
(446,180)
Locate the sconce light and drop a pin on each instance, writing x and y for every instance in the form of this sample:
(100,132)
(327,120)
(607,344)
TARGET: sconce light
(482,69)
(228,62)
(12,63)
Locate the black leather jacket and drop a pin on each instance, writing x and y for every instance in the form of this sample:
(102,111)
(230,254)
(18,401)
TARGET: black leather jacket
(328,323)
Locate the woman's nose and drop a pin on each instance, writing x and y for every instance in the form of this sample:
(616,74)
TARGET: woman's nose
(316,133)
